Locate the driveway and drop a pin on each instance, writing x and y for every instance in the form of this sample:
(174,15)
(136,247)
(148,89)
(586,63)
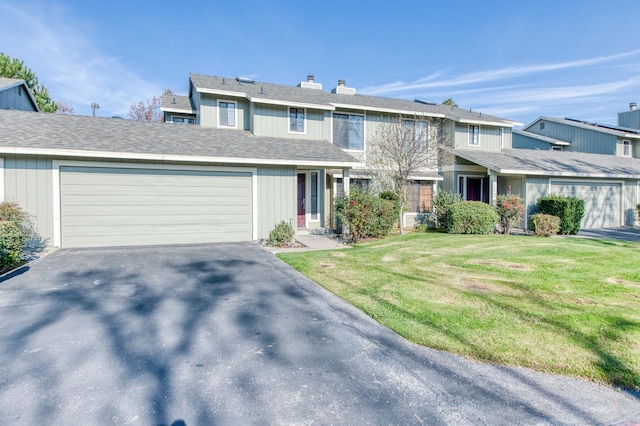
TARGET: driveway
(626,233)
(228,334)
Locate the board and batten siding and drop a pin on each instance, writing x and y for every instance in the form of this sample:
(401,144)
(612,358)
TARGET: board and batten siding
(582,140)
(536,187)
(273,121)
(209,111)
(276,197)
(630,201)
(16,98)
(490,139)
(630,119)
(528,142)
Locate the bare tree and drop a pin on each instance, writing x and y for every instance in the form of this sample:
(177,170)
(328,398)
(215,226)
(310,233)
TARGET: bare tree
(148,110)
(402,147)
(64,108)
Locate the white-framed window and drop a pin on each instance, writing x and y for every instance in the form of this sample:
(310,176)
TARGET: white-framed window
(227,113)
(314,183)
(626,148)
(296,120)
(182,120)
(474,135)
(501,130)
(415,131)
(348,131)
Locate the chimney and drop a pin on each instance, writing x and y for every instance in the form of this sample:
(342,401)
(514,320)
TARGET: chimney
(341,89)
(310,83)
(632,106)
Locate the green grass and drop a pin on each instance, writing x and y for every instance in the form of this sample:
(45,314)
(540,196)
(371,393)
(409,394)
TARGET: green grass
(563,305)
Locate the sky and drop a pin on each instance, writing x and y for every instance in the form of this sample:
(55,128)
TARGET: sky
(514,59)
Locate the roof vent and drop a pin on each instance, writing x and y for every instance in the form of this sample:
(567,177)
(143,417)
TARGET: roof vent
(173,102)
(310,83)
(632,106)
(245,80)
(341,89)
(420,101)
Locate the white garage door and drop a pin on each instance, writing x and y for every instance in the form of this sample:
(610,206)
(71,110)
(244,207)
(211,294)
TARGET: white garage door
(123,206)
(602,201)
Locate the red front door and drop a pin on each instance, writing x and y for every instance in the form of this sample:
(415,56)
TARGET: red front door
(301,199)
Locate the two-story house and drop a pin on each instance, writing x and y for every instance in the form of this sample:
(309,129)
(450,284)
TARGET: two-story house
(596,162)
(341,116)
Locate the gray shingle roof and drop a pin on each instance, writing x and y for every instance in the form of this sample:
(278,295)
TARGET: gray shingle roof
(540,137)
(6,83)
(554,163)
(293,94)
(177,103)
(603,128)
(82,136)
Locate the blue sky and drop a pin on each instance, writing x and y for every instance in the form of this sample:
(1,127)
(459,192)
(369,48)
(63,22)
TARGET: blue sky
(514,59)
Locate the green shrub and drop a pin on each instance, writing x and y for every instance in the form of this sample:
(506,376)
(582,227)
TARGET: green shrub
(570,210)
(366,215)
(15,231)
(471,217)
(425,221)
(510,209)
(388,195)
(544,225)
(441,203)
(282,235)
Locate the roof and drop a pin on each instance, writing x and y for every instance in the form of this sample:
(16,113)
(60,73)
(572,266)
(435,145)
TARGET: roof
(8,83)
(23,132)
(260,92)
(596,127)
(176,103)
(536,136)
(554,163)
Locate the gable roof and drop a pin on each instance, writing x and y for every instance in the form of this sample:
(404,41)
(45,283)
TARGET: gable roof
(554,163)
(24,132)
(608,129)
(9,83)
(176,103)
(536,136)
(260,92)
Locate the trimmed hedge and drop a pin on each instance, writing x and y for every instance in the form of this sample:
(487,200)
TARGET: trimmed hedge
(441,204)
(544,225)
(570,210)
(471,217)
(366,215)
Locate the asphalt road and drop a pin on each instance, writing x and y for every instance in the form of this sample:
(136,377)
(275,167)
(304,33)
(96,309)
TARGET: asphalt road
(228,334)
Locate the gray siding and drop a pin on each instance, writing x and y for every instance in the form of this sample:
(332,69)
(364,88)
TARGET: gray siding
(208,111)
(276,197)
(490,139)
(582,140)
(448,182)
(630,201)
(629,119)
(273,121)
(526,142)
(536,187)
(16,98)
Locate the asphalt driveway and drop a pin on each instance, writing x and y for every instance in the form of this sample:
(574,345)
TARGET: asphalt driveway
(228,334)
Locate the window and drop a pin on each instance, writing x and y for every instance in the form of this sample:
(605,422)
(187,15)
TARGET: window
(226,114)
(556,148)
(474,135)
(362,184)
(296,120)
(501,137)
(314,197)
(182,120)
(420,196)
(626,148)
(348,131)
(415,131)
(542,126)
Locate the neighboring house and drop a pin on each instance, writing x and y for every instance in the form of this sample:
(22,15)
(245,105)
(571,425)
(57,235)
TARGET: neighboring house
(15,94)
(346,119)
(599,164)
(90,181)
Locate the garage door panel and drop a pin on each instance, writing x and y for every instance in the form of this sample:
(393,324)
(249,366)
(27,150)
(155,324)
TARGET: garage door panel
(602,201)
(113,206)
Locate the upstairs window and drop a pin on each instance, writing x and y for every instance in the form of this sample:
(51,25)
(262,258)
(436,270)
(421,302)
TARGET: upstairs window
(626,148)
(182,120)
(474,135)
(227,114)
(348,131)
(296,120)
(415,132)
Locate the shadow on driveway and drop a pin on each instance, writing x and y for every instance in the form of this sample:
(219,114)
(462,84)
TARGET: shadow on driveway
(228,334)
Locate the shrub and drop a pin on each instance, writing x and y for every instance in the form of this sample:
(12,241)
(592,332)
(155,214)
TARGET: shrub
(366,215)
(15,232)
(441,203)
(471,217)
(425,221)
(544,225)
(510,209)
(570,210)
(282,235)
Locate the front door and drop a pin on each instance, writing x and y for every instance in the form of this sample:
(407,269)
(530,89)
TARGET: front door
(474,189)
(302,179)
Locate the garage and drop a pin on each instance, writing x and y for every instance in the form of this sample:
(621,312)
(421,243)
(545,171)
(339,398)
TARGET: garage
(114,206)
(602,201)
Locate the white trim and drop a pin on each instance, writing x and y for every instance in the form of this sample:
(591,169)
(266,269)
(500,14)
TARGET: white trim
(181,158)
(469,126)
(58,164)
(222,92)
(2,180)
(311,219)
(235,113)
(290,103)
(390,110)
(466,185)
(628,142)
(364,131)
(304,121)
(462,168)
(178,110)
(481,122)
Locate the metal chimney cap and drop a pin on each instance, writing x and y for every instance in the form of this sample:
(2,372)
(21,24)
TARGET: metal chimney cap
(310,78)
(341,82)
(632,106)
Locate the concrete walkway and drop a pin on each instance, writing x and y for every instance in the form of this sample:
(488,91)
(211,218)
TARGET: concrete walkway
(326,241)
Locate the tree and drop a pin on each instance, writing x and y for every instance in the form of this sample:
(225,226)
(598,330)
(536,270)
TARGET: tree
(450,102)
(402,147)
(15,68)
(64,108)
(148,110)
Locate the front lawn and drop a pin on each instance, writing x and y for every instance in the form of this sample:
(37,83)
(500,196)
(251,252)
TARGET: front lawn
(561,305)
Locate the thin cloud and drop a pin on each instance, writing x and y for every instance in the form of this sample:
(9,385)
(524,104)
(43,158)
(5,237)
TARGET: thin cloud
(68,62)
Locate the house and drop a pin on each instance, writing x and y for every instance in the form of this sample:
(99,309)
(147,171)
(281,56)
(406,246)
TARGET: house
(596,162)
(341,116)
(15,94)
(90,181)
